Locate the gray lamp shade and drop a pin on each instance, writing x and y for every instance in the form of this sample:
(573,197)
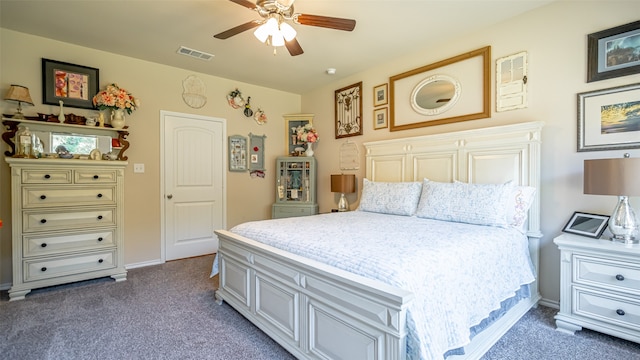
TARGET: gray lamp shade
(618,177)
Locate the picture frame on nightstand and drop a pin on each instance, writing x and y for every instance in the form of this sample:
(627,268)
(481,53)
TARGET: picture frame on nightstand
(586,224)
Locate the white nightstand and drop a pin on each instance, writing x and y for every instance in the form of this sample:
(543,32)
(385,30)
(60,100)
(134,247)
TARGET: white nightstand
(599,286)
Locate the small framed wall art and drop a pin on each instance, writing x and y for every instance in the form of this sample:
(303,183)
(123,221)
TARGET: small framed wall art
(74,85)
(585,224)
(380,118)
(256,151)
(613,52)
(237,153)
(380,96)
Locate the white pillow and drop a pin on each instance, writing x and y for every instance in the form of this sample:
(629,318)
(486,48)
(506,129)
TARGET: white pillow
(390,198)
(518,205)
(481,204)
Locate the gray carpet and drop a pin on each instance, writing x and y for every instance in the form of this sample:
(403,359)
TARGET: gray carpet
(168,312)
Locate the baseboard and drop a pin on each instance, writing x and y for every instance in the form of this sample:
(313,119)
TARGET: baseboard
(5,286)
(144,263)
(549,303)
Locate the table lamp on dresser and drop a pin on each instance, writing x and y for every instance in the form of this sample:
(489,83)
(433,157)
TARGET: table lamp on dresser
(617,177)
(343,184)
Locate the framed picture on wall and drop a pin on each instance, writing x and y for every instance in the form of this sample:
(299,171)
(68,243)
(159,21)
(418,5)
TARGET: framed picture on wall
(348,110)
(614,52)
(237,153)
(608,118)
(74,85)
(380,118)
(380,96)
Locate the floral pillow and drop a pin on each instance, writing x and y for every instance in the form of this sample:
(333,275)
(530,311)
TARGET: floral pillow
(481,204)
(520,200)
(390,198)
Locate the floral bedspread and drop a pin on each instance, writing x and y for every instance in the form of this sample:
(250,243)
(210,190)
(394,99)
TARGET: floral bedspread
(458,272)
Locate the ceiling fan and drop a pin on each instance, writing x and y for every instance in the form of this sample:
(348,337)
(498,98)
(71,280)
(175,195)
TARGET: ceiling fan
(273,28)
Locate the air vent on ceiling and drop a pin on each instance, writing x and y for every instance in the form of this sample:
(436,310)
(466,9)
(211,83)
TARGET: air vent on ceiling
(195,53)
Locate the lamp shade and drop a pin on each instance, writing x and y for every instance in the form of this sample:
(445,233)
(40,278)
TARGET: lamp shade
(618,177)
(18,93)
(343,183)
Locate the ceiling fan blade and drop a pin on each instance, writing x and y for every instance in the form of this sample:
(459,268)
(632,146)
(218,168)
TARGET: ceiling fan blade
(245,3)
(237,30)
(326,22)
(294,47)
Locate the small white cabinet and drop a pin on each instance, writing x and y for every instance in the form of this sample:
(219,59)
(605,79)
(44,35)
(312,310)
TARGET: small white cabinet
(67,221)
(599,286)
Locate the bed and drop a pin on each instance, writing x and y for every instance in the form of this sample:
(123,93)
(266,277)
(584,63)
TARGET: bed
(326,299)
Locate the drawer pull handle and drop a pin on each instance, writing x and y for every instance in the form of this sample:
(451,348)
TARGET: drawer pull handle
(42,221)
(47,176)
(99,195)
(99,217)
(619,277)
(42,197)
(100,261)
(43,245)
(96,176)
(44,268)
(100,238)
(620,312)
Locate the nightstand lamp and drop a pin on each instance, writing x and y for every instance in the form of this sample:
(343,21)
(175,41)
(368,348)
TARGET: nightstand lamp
(19,94)
(617,177)
(343,184)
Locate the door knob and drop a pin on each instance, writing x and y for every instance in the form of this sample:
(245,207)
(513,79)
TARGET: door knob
(169,196)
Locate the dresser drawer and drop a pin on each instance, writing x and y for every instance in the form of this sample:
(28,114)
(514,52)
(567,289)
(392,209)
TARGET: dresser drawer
(44,220)
(615,275)
(610,308)
(50,244)
(101,176)
(61,266)
(34,197)
(46,176)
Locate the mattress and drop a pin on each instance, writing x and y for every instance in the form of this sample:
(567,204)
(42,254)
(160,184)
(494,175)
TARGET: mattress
(459,273)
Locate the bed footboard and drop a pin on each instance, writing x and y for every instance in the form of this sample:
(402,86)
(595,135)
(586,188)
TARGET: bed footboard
(313,310)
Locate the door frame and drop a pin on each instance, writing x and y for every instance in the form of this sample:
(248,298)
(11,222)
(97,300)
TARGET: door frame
(163,114)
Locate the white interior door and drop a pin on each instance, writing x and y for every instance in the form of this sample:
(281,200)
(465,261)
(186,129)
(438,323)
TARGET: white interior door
(194,184)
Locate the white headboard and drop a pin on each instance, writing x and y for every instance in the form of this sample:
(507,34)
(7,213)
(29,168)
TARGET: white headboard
(488,155)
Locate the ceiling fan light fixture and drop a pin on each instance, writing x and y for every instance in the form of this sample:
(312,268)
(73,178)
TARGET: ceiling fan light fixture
(288,32)
(277,39)
(261,33)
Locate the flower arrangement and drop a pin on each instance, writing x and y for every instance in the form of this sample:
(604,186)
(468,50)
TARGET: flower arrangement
(306,133)
(114,97)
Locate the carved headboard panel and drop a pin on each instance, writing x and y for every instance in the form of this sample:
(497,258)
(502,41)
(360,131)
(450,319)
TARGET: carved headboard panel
(488,155)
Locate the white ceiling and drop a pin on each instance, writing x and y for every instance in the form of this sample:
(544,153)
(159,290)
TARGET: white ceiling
(153,30)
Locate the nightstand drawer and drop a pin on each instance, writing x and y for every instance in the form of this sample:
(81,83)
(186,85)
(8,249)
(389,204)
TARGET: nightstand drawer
(48,268)
(69,219)
(49,244)
(611,275)
(33,197)
(616,310)
(46,176)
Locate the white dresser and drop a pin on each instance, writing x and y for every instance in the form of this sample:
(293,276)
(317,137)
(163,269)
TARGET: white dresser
(599,286)
(67,221)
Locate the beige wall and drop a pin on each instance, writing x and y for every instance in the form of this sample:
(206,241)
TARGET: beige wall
(555,38)
(159,88)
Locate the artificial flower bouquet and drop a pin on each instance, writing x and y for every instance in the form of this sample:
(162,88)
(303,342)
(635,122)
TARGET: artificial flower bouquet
(306,133)
(115,97)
